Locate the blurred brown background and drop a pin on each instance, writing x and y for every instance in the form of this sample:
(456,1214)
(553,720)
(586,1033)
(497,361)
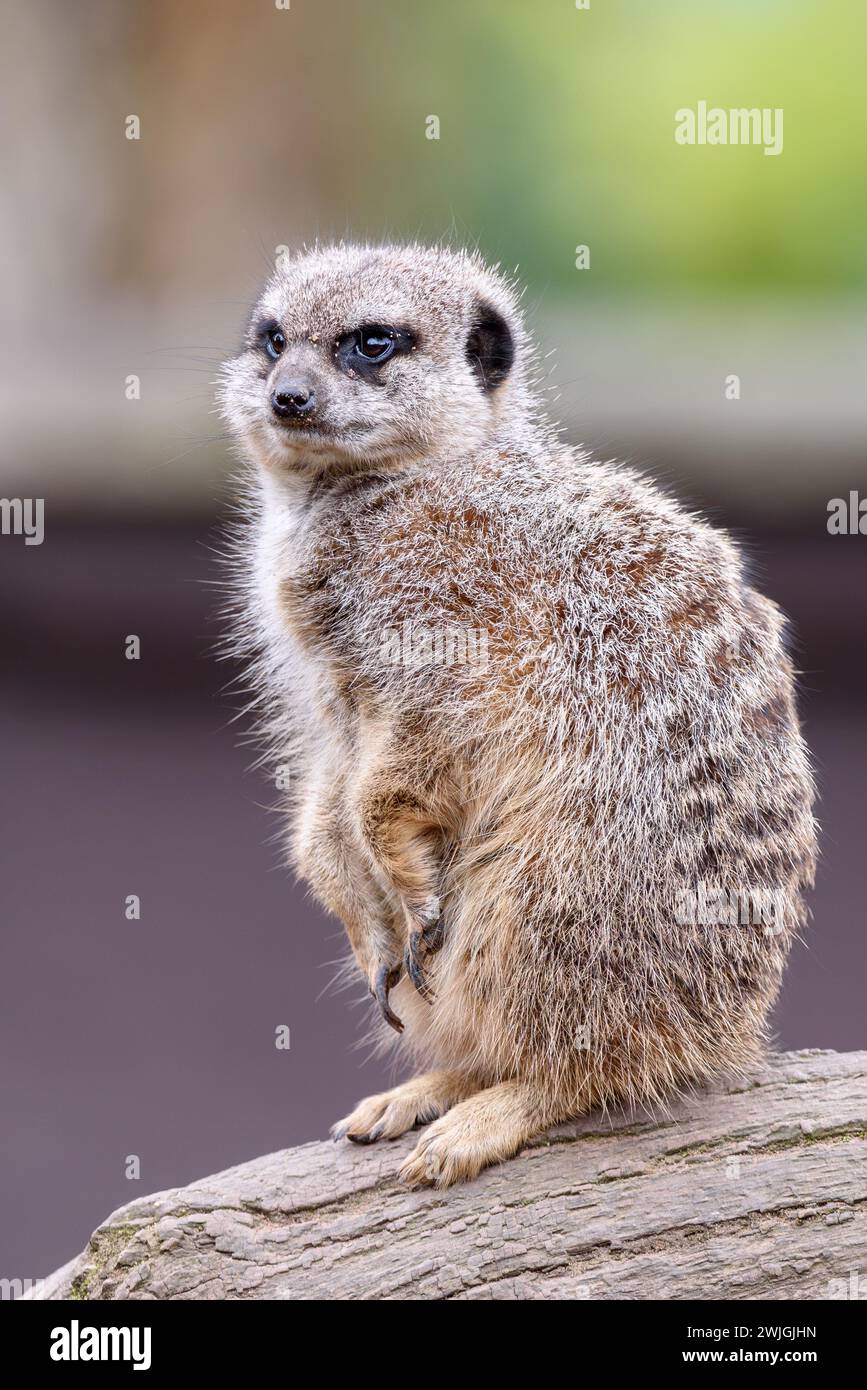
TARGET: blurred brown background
(262,127)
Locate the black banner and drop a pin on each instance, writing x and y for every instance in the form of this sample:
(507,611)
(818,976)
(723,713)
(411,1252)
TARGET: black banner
(155,1338)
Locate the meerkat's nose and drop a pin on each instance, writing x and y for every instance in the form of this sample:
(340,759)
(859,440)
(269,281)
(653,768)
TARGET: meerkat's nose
(293,399)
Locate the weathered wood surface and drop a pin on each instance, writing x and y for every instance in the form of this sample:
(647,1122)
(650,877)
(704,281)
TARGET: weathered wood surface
(755,1190)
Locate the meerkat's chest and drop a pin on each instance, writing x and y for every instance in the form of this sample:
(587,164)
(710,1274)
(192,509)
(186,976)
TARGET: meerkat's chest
(295,621)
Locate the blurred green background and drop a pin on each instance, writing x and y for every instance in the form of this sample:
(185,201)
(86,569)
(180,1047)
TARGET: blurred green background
(558,124)
(262,127)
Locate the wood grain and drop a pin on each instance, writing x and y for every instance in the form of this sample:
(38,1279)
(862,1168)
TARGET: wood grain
(755,1190)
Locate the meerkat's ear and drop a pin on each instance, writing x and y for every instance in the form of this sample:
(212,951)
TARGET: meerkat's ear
(490,346)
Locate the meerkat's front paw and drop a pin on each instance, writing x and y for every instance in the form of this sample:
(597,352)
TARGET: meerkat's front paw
(382,980)
(392,1113)
(426,936)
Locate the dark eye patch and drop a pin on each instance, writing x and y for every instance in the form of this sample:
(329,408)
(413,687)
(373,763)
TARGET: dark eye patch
(261,332)
(364,351)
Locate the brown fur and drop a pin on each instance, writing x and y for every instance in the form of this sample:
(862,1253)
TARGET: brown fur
(507,841)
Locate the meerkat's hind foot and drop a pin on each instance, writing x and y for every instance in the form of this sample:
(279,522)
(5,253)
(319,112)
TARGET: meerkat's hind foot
(487,1128)
(392,1113)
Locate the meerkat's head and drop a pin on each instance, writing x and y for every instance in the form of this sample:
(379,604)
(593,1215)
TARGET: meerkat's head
(361,355)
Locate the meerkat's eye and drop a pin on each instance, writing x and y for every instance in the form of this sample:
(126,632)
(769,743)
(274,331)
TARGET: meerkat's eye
(375,344)
(362,351)
(275,342)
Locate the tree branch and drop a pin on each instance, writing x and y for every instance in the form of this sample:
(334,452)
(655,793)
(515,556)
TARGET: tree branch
(755,1190)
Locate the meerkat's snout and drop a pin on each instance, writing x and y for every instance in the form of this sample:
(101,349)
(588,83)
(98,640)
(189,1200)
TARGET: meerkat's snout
(292,398)
(295,383)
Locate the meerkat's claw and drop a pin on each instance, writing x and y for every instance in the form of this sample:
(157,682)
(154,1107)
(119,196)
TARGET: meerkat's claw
(423,942)
(434,935)
(414,967)
(387,977)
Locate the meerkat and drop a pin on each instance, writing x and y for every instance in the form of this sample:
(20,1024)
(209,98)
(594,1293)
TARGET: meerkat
(513,839)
